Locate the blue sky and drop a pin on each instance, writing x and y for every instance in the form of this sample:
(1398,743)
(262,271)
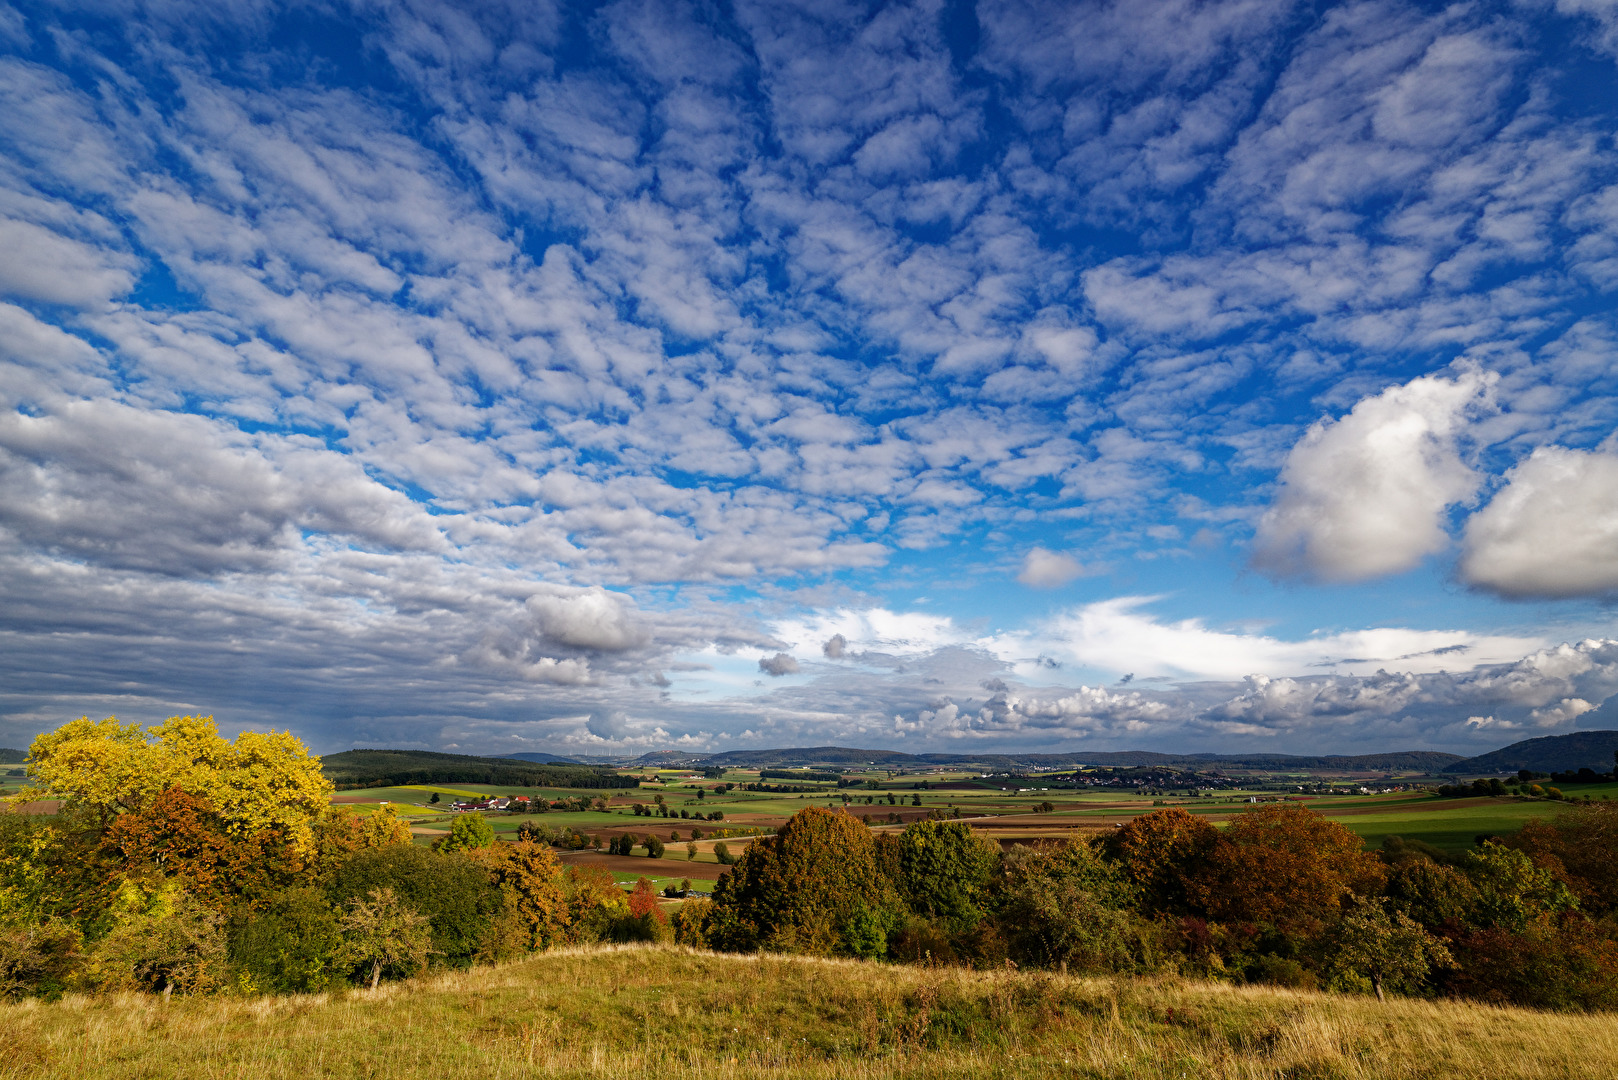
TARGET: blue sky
(604,378)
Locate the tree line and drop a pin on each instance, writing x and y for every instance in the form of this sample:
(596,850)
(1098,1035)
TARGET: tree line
(184,863)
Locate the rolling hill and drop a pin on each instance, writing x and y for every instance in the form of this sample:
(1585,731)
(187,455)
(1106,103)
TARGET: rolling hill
(1549,753)
(381,768)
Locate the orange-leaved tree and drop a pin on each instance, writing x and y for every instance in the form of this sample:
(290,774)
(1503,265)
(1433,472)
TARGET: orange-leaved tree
(1165,853)
(530,880)
(1286,866)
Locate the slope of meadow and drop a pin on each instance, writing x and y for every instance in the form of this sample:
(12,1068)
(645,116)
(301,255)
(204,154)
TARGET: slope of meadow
(669,1013)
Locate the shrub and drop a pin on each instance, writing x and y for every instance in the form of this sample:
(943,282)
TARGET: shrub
(289,946)
(164,939)
(39,959)
(1064,905)
(451,891)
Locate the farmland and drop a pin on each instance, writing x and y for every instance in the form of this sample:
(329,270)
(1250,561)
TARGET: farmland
(1009,810)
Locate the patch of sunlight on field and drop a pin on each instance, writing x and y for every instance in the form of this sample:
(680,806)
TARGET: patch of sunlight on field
(676,1014)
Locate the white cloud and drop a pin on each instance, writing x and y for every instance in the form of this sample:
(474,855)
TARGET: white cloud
(779,664)
(1042,569)
(1552,531)
(1365,495)
(1115,636)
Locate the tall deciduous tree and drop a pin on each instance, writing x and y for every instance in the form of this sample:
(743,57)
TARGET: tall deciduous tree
(530,879)
(1164,853)
(1287,867)
(467,833)
(1388,950)
(941,870)
(799,890)
(262,780)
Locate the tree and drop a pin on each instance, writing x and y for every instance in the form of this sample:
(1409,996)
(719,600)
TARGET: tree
(799,890)
(1511,891)
(291,945)
(1386,949)
(594,903)
(180,836)
(468,832)
(1581,847)
(722,855)
(383,932)
(382,827)
(654,847)
(1164,853)
(452,891)
(261,781)
(690,851)
(1287,867)
(1066,906)
(941,868)
(530,880)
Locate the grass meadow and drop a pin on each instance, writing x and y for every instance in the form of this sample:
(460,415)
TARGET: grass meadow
(673,1014)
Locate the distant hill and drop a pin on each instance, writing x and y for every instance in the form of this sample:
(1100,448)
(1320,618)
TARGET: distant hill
(12,757)
(1402,761)
(544,759)
(383,768)
(1549,753)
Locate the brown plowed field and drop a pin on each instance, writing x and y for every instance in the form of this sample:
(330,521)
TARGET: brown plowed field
(640,864)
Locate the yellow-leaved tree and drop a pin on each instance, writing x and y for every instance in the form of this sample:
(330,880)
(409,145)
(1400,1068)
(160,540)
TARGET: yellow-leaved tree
(262,780)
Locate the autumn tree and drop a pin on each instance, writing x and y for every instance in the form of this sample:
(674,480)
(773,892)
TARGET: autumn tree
(261,781)
(381,931)
(1286,866)
(1065,905)
(181,836)
(594,903)
(799,890)
(1581,847)
(382,827)
(162,938)
(1165,853)
(529,878)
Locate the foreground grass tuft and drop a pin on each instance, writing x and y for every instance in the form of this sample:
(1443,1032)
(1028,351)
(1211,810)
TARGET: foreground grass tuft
(675,1014)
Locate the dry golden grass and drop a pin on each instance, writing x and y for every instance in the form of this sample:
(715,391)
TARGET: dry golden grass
(673,1014)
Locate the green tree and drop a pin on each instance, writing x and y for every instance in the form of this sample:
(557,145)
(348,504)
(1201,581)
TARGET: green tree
(1064,905)
(1511,891)
(1385,949)
(722,855)
(382,931)
(941,868)
(291,945)
(434,800)
(690,851)
(654,847)
(799,890)
(452,891)
(468,832)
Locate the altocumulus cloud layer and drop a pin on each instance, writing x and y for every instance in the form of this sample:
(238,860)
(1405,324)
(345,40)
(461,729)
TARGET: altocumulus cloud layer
(613,377)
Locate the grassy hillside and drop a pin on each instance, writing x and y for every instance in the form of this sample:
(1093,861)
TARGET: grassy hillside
(674,1014)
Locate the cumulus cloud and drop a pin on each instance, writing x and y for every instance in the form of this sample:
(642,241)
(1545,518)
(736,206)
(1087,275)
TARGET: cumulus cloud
(1042,569)
(835,647)
(779,664)
(1365,495)
(1552,531)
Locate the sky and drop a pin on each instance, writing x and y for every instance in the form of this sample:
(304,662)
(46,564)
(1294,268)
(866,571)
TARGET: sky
(604,378)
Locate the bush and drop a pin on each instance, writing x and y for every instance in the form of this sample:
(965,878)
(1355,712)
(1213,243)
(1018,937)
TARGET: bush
(39,959)
(1065,906)
(454,894)
(291,946)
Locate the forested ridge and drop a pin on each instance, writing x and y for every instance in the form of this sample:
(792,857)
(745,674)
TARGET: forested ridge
(184,863)
(384,768)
